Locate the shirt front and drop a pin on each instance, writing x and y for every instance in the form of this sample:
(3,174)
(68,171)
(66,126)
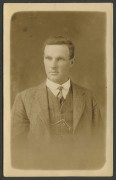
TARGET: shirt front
(54,87)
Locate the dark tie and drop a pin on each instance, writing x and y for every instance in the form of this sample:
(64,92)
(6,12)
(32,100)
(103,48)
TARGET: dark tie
(60,95)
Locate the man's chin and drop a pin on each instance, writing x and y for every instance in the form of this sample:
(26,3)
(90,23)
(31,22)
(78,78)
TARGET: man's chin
(54,79)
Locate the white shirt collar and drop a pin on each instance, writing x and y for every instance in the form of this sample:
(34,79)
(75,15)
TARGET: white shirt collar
(54,87)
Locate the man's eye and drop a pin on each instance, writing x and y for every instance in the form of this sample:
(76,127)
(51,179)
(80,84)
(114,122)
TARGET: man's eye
(48,58)
(60,59)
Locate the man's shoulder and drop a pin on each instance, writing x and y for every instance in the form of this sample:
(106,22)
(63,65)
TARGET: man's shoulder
(30,92)
(81,90)
(33,91)
(88,95)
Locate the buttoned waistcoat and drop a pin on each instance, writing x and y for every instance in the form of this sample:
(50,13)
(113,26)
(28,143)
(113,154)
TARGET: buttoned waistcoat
(30,125)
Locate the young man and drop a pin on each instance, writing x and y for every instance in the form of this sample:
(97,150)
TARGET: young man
(57,124)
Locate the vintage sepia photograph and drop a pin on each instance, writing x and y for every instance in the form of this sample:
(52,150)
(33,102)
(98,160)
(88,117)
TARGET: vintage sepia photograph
(58,89)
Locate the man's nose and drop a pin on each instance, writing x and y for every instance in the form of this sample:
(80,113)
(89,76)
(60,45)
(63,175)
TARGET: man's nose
(53,63)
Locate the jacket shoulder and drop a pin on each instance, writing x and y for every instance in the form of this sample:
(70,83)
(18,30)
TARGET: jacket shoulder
(82,90)
(31,92)
(88,95)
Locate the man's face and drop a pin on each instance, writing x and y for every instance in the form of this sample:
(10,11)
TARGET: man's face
(57,63)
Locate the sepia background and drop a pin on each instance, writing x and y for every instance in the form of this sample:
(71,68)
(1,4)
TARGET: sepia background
(87,30)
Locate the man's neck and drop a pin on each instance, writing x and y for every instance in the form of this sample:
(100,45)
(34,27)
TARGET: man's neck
(58,83)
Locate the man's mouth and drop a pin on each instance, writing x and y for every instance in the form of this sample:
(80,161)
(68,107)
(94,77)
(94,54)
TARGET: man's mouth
(53,72)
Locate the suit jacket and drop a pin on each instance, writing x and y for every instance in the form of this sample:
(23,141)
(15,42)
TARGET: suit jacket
(31,132)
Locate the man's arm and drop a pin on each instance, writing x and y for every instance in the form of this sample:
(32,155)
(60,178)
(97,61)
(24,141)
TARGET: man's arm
(19,126)
(99,133)
(97,120)
(20,122)
(19,130)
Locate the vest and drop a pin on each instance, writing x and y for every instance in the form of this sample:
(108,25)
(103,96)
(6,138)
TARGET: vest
(61,117)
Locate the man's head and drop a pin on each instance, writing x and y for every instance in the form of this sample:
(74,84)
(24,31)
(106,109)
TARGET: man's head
(58,58)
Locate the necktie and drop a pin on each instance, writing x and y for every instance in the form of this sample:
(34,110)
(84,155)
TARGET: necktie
(60,95)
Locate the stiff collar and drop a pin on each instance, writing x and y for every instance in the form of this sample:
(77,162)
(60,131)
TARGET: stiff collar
(54,86)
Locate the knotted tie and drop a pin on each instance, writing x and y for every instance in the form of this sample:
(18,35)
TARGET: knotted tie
(60,95)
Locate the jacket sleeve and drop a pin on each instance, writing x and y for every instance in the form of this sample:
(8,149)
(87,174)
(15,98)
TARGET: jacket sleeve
(19,132)
(19,120)
(97,119)
(99,133)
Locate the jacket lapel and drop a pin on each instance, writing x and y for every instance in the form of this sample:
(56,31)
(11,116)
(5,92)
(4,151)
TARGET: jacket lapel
(78,105)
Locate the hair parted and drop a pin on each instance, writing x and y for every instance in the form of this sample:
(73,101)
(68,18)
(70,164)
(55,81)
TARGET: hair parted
(60,40)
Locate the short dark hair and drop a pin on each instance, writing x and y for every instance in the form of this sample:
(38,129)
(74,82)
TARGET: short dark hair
(60,40)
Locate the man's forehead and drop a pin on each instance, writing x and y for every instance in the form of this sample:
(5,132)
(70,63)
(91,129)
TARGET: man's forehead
(62,48)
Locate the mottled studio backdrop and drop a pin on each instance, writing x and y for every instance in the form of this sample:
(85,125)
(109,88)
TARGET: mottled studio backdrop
(87,30)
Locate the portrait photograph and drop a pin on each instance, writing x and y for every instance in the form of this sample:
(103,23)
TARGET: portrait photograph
(58,89)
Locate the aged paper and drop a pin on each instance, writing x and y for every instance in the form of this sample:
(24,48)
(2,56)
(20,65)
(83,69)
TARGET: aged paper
(20,72)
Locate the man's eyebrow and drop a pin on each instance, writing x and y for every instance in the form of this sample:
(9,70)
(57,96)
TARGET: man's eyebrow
(47,56)
(50,57)
(60,57)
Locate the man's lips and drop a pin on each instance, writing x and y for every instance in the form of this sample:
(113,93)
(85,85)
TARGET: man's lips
(53,72)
